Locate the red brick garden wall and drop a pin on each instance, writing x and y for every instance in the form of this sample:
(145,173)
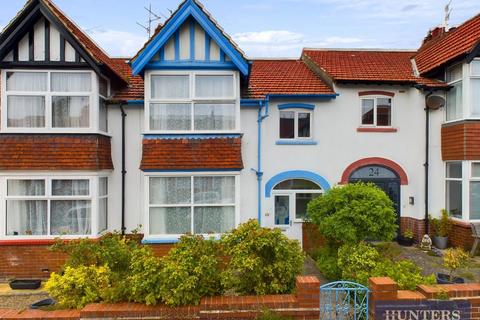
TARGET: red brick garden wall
(460,235)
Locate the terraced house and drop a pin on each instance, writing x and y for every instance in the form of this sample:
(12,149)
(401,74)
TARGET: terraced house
(192,136)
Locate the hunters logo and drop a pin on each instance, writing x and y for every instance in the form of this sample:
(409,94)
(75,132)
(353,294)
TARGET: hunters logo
(423,310)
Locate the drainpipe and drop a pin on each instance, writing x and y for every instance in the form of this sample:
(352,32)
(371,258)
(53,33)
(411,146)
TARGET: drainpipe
(264,105)
(124,172)
(427,157)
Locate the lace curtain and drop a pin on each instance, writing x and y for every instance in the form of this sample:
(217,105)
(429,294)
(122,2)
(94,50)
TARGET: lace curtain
(170,87)
(71,82)
(25,111)
(214,116)
(70,216)
(70,112)
(170,116)
(26,217)
(166,218)
(214,86)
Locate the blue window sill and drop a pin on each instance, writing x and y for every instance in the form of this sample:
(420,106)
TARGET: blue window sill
(296,142)
(159,241)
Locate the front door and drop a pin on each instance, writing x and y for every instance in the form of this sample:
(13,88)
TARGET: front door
(383,178)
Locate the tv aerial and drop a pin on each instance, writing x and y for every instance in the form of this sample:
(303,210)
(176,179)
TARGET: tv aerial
(152,17)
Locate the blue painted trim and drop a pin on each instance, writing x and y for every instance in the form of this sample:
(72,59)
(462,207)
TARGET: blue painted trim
(251,103)
(207,47)
(194,170)
(189,8)
(187,64)
(160,241)
(162,54)
(296,106)
(135,102)
(177,45)
(189,136)
(222,56)
(305,96)
(261,116)
(295,174)
(296,142)
(192,39)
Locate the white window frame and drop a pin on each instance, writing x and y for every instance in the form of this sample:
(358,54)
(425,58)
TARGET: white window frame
(469,88)
(461,79)
(93,95)
(292,199)
(467,177)
(102,197)
(235,99)
(296,112)
(48,177)
(375,103)
(174,237)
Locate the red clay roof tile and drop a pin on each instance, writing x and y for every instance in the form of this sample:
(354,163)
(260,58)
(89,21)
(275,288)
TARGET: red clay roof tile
(135,88)
(368,65)
(186,154)
(283,77)
(449,46)
(55,152)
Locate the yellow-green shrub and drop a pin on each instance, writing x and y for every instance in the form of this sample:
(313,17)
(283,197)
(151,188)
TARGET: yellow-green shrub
(79,286)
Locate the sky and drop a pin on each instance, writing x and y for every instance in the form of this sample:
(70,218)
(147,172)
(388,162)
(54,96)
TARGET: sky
(270,28)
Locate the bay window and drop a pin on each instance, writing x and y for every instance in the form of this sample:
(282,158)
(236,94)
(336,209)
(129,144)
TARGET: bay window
(191,204)
(192,102)
(54,206)
(39,101)
(455,94)
(377,112)
(463,190)
(475,88)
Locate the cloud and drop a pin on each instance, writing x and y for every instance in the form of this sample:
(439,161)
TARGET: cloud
(281,43)
(116,42)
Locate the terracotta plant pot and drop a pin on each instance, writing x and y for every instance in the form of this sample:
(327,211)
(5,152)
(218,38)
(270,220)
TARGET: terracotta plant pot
(440,242)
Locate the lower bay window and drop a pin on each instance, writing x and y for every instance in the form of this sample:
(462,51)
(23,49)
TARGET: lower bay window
(462,188)
(196,204)
(49,207)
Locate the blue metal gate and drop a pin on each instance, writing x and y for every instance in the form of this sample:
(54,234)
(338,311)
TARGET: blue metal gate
(343,300)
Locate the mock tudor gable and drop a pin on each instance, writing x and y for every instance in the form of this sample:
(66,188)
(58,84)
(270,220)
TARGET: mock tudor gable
(190,38)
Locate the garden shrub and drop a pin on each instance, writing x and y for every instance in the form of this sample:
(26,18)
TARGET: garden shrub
(79,286)
(262,261)
(270,315)
(362,261)
(354,213)
(327,262)
(144,281)
(357,262)
(190,271)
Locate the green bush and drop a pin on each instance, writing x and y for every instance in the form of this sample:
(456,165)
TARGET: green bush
(79,286)
(357,262)
(362,261)
(190,271)
(354,213)
(144,280)
(327,262)
(270,315)
(262,261)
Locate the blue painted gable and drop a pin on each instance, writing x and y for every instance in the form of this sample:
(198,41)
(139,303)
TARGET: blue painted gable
(177,46)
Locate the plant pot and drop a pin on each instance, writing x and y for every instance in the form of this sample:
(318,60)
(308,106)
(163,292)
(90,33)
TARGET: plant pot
(445,279)
(440,242)
(406,242)
(25,284)
(43,303)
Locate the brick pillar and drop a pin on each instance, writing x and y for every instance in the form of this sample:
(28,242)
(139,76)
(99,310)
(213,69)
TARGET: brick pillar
(382,289)
(308,292)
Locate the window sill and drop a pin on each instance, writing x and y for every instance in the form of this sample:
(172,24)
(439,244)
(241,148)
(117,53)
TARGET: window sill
(296,142)
(175,239)
(377,129)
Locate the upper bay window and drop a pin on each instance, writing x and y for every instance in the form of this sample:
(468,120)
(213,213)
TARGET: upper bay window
(455,95)
(475,87)
(377,112)
(42,207)
(193,102)
(40,101)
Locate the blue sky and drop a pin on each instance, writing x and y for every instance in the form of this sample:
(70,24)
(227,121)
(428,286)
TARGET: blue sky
(271,28)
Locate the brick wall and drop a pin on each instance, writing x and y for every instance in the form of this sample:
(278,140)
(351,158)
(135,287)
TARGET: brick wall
(385,289)
(460,235)
(417,226)
(303,305)
(28,261)
(461,141)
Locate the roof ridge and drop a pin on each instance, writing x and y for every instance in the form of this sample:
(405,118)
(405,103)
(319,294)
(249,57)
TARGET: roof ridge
(359,49)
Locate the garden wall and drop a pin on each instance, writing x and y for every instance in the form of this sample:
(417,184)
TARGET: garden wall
(34,259)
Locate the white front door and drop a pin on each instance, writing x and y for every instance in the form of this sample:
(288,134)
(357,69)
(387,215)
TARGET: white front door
(284,215)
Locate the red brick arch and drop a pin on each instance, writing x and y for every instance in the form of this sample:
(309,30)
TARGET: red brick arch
(375,161)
